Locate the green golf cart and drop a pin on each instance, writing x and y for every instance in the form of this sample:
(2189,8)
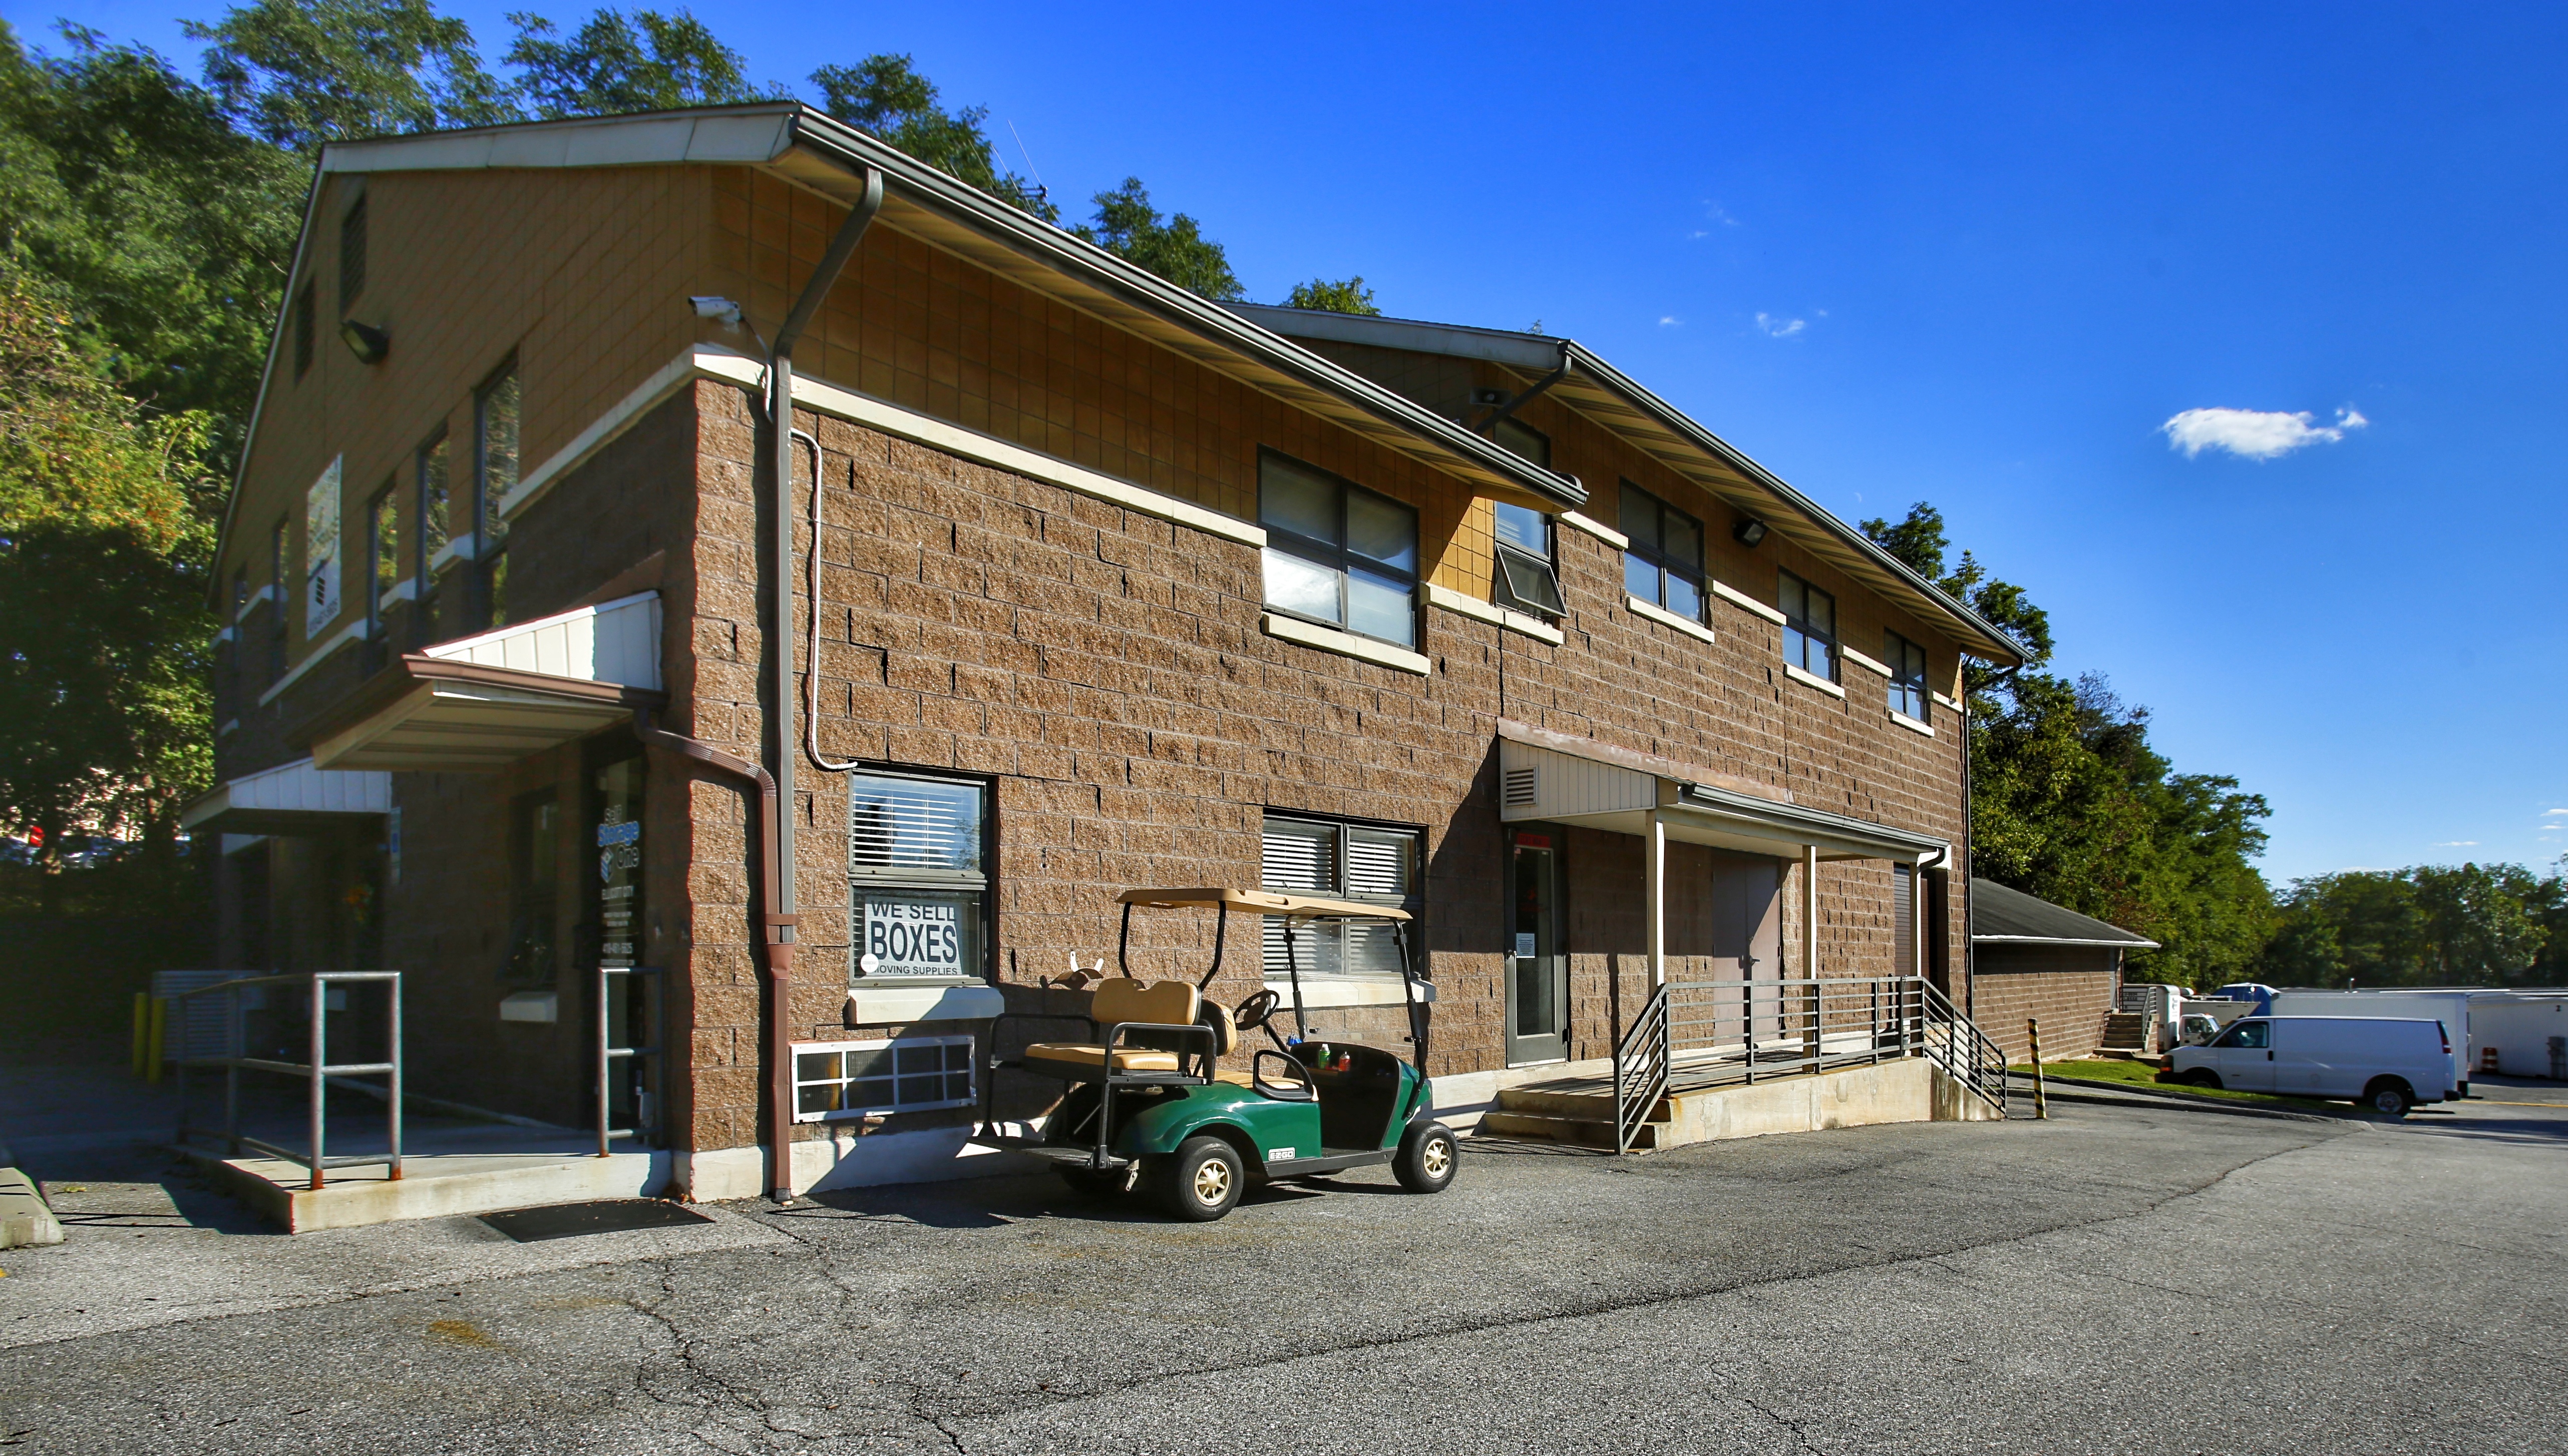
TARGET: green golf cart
(1147,1105)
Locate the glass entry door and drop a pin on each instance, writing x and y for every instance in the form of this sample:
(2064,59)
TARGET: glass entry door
(1538,970)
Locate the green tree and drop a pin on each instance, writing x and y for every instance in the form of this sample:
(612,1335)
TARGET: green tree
(2068,800)
(299,72)
(2425,925)
(169,231)
(885,95)
(1173,247)
(650,61)
(105,536)
(1342,296)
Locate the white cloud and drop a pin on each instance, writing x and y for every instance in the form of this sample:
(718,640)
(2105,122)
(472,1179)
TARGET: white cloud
(1780,328)
(2256,435)
(1669,321)
(2554,813)
(2459,844)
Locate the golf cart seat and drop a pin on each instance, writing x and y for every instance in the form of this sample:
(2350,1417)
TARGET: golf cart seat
(1120,1001)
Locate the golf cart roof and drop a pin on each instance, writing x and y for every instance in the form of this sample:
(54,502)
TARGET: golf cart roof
(1261,902)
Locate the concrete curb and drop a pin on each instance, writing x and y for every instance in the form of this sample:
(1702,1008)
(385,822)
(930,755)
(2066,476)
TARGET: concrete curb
(2188,1104)
(25,1220)
(2179,1095)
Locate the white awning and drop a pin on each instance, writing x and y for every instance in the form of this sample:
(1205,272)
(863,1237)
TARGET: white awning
(291,798)
(1557,779)
(481,703)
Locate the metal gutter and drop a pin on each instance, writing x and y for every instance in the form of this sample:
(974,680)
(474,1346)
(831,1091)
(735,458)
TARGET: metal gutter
(1060,250)
(1539,354)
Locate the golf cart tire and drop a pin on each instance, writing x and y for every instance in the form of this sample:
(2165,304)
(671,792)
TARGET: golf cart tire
(1096,1183)
(1200,1181)
(1428,1157)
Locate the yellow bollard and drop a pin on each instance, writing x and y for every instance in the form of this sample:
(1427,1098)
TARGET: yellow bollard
(2041,1101)
(142,1029)
(160,1030)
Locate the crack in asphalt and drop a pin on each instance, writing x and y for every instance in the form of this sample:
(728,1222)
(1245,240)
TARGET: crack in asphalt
(1649,1302)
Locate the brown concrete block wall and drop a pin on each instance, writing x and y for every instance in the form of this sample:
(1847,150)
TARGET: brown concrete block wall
(2070,989)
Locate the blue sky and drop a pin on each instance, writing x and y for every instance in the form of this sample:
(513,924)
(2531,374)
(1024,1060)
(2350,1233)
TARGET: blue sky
(1898,255)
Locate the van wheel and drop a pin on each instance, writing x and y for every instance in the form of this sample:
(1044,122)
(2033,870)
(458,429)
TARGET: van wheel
(2388,1097)
(1200,1181)
(1427,1158)
(2202,1076)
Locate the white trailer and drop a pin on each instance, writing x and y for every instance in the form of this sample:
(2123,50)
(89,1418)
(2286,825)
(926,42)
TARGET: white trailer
(2452,1007)
(2526,1031)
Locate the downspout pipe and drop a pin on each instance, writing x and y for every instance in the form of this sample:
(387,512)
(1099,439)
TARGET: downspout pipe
(779,1152)
(779,915)
(1532,392)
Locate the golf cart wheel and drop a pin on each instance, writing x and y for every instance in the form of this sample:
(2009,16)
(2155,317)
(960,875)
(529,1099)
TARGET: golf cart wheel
(1097,1183)
(1428,1156)
(2388,1097)
(1201,1180)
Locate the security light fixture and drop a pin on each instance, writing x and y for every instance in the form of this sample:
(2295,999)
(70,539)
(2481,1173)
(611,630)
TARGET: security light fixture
(365,340)
(1748,531)
(721,310)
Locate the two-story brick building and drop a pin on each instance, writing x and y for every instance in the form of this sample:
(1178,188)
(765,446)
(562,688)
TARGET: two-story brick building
(1108,586)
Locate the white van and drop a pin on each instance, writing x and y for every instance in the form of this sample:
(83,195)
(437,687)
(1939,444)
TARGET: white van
(2386,1065)
(2452,1007)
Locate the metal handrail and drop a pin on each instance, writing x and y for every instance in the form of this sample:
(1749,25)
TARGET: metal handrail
(608,1055)
(1694,1034)
(317,1071)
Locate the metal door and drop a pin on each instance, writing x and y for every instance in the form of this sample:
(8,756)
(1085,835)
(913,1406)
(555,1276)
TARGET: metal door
(1747,945)
(1538,969)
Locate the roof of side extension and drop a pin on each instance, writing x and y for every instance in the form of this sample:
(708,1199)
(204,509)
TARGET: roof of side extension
(1620,404)
(823,155)
(2012,915)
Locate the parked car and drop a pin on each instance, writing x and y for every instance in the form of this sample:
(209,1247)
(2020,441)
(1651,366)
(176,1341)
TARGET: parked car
(2386,1065)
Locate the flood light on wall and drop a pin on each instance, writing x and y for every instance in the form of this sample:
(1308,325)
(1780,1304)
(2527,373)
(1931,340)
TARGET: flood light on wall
(721,310)
(1749,530)
(365,340)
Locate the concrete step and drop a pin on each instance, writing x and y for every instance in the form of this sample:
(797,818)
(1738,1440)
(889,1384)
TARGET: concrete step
(1560,1102)
(1587,1132)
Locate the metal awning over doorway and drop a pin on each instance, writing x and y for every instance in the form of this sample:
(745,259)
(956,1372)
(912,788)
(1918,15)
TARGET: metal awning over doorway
(291,798)
(1562,780)
(1558,778)
(480,704)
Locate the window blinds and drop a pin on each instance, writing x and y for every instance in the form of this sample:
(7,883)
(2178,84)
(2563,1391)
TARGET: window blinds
(914,826)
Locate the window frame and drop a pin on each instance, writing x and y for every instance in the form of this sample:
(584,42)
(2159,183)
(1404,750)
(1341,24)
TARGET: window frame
(1519,576)
(383,577)
(893,1044)
(352,254)
(490,528)
(978,964)
(1907,685)
(301,325)
(1802,627)
(1337,557)
(1653,554)
(432,521)
(1346,829)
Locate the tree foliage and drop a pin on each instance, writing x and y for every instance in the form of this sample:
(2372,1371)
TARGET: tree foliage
(648,62)
(299,72)
(105,535)
(1341,296)
(2425,925)
(885,95)
(1173,247)
(105,159)
(2068,802)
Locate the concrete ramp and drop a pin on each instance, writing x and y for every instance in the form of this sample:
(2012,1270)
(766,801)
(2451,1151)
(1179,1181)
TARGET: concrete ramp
(432,1185)
(1580,1110)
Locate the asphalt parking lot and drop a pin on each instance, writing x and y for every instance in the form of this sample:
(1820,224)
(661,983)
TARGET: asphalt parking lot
(2114,1280)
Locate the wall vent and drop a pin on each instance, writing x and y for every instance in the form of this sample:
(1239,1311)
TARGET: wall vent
(1519,789)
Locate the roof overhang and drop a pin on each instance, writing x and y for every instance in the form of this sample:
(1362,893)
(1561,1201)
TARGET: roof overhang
(826,156)
(1555,778)
(291,798)
(480,703)
(1619,404)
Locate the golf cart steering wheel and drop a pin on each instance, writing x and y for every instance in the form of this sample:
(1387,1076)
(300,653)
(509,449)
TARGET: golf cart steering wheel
(1251,1013)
